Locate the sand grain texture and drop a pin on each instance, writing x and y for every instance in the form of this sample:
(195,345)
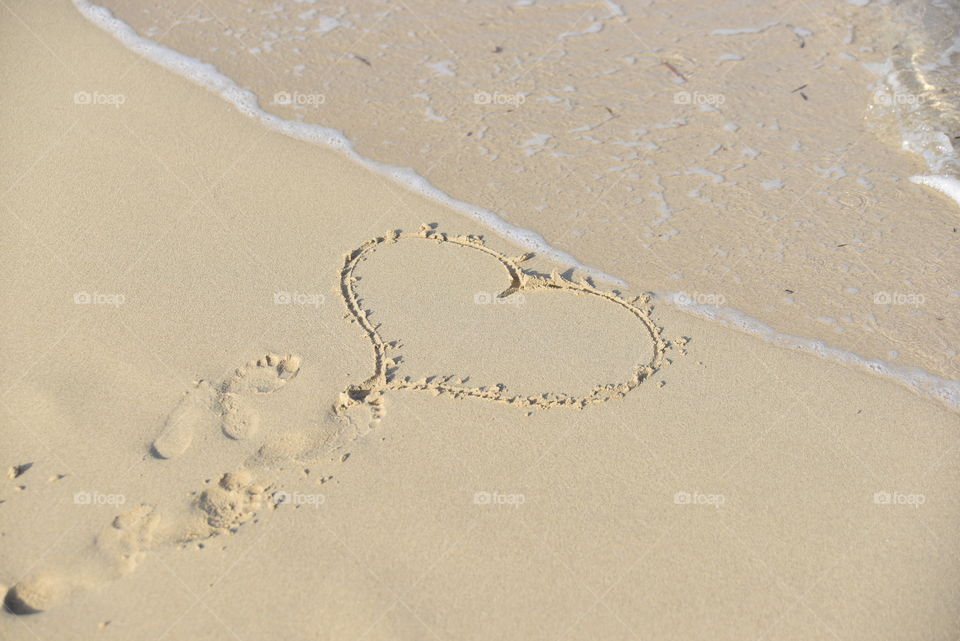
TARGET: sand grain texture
(738,500)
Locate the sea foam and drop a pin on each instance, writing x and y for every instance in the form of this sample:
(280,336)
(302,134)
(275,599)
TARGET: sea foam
(246,102)
(207,75)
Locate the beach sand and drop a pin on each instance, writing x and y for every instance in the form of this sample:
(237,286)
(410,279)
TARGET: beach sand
(199,447)
(751,136)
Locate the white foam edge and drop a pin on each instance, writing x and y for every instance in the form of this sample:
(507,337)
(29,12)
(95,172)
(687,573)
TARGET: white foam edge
(245,101)
(948,185)
(919,380)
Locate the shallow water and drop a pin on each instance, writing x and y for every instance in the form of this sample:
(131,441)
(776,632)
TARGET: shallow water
(920,99)
(737,155)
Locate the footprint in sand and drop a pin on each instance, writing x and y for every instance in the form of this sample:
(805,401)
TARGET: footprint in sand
(219,509)
(116,552)
(238,419)
(237,496)
(120,547)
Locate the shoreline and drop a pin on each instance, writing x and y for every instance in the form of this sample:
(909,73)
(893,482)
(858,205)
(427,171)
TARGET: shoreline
(926,383)
(178,465)
(207,76)
(723,179)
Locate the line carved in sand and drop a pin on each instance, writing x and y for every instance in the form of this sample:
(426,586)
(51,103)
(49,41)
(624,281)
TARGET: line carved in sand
(385,377)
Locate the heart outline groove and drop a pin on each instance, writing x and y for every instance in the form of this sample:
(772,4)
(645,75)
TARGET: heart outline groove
(385,378)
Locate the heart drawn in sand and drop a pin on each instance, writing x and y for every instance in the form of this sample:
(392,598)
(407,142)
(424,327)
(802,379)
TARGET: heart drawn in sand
(385,372)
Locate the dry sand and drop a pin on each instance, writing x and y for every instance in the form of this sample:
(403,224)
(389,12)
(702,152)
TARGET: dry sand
(742,490)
